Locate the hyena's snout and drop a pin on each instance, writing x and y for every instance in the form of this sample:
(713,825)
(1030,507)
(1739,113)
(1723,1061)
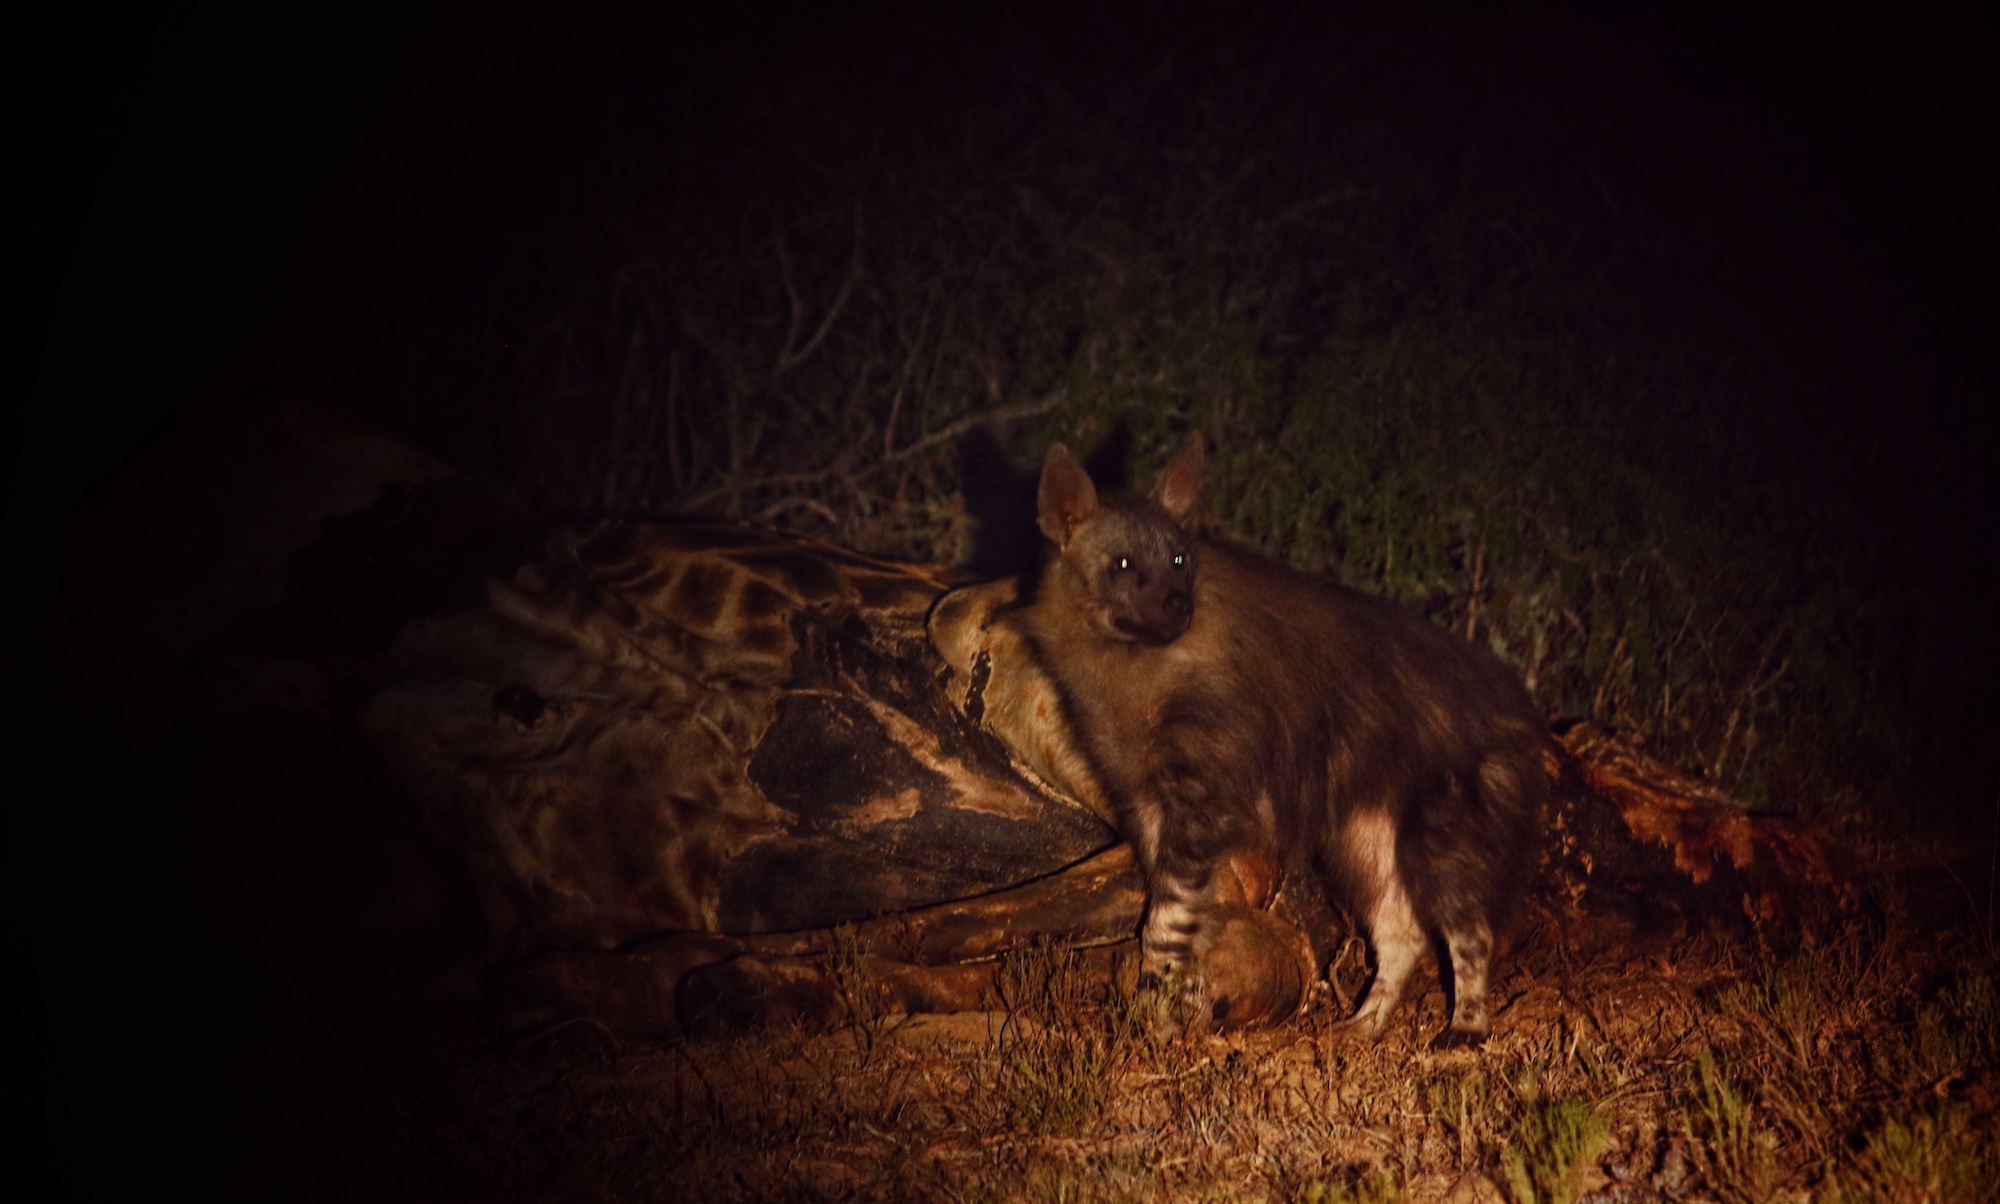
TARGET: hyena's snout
(1155,614)
(1159,617)
(1168,607)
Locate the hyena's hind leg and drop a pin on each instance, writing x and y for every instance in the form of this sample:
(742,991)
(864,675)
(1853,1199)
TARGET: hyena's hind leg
(1475,878)
(1398,942)
(1368,850)
(1474,874)
(1470,944)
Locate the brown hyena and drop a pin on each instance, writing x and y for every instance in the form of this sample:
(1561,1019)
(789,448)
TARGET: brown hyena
(1227,700)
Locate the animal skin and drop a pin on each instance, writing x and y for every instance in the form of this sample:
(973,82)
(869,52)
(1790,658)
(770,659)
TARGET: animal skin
(1226,701)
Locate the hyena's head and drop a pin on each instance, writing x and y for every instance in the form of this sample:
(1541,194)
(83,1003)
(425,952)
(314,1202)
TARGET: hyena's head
(1124,562)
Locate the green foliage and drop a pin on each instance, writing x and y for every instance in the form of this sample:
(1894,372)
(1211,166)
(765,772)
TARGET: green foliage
(1973,1005)
(1459,1105)
(1736,1152)
(1555,1146)
(1932,1158)
(1946,1040)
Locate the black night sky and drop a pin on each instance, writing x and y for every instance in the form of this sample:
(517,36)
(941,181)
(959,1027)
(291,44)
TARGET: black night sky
(1752,251)
(232,206)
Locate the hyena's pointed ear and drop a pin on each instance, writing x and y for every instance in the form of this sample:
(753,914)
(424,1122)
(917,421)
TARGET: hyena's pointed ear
(1178,487)
(1066,497)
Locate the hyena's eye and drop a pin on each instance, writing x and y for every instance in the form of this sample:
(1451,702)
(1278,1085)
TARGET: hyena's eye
(1180,560)
(1124,563)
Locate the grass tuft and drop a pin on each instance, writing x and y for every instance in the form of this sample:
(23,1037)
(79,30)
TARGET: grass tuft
(1737,1154)
(1378,1188)
(1055,1055)
(1934,1158)
(1555,1151)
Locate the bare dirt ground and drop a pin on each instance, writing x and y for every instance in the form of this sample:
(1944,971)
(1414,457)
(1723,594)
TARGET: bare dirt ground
(1856,1061)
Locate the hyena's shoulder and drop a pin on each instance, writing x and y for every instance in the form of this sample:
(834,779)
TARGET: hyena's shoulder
(1259,595)
(1293,623)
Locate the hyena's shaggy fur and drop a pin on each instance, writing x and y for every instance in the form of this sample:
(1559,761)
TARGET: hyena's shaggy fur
(1226,699)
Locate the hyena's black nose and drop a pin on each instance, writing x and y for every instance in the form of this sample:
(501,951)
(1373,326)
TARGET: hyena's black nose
(1178,606)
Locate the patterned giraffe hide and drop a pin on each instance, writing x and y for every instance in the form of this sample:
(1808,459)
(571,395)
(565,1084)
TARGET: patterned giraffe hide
(708,729)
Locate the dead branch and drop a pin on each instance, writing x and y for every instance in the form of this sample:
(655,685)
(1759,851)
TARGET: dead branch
(788,357)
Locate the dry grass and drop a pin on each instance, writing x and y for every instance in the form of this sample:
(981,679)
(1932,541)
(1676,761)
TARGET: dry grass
(1859,1066)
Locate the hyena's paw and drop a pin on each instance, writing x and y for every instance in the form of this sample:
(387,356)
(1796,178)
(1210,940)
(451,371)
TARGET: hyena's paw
(1358,1028)
(1371,1019)
(1174,1001)
(1458,1038)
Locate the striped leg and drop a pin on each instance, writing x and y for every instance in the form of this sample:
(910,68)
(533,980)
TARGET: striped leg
(1399,945)
(1181,828)
(1368,846)
(1180,926)
(1471,947)
(1178,923)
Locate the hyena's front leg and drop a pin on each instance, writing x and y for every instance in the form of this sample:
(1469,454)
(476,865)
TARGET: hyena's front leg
(1179,922)
(1167,941)
(1180,907)
(1180,927)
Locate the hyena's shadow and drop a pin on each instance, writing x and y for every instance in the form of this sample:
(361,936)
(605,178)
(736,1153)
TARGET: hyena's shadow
(999,497)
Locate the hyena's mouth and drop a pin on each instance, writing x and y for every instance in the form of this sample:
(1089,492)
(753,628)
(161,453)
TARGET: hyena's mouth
(1159,619)
(1149,634)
